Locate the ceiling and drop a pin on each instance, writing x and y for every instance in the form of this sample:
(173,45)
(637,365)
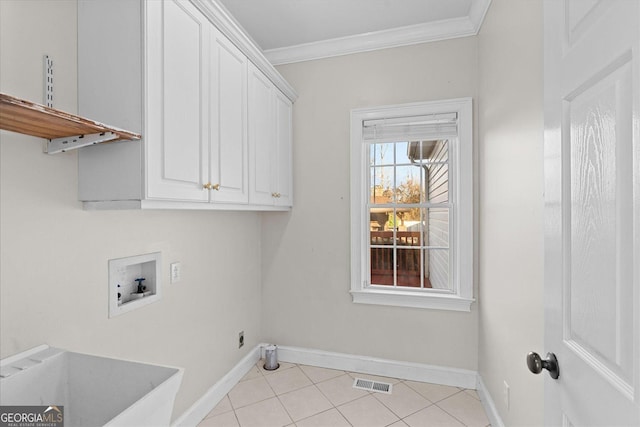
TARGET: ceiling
(298,30)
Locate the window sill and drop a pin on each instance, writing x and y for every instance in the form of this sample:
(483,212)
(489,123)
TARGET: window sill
(412,299)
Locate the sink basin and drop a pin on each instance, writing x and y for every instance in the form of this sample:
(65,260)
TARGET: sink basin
(95,391)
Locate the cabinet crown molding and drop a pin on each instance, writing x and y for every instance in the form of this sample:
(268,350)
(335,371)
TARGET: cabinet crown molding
(227,25)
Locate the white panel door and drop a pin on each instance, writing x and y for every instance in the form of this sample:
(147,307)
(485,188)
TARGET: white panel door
(262,157)
(592,236)
(228,120)
(282,170)
(177,96)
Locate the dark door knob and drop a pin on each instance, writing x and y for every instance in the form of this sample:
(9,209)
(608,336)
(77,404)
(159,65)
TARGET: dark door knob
(536,364)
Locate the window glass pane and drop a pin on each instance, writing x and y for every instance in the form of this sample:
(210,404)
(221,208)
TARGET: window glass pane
(437,173)
(426,152)
(435,227)
(414,224)
(383,242)
(381,262)
(381,222)
(381,154)
(381,180)
(409,186)
(436,262)
(402,157)
(408,238)
(439,152)
(408,266)
(417,151)
(438,183)
(382,258)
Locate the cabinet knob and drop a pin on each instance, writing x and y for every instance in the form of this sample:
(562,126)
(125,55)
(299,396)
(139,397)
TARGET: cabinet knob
(207,186)
(215,187)
(278,195)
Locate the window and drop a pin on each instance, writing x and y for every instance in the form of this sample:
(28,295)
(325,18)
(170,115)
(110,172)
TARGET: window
(412,205)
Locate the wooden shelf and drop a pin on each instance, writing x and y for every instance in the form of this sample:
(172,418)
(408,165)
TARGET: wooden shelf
(63,130)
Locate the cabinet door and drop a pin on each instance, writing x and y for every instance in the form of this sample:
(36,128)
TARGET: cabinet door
(262,157)
(282,172)
(228,121)
(177,38)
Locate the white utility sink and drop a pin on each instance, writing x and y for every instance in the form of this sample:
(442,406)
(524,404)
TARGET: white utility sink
(95,391)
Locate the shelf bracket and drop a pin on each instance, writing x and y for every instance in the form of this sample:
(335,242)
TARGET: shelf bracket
(48,81)
(60,145)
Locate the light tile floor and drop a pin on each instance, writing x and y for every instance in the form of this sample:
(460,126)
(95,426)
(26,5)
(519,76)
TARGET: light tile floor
(305,396)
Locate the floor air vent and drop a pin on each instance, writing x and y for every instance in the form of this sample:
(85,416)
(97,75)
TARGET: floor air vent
(369,385)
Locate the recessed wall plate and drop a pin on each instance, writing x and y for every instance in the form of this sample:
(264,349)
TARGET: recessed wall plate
(134,282)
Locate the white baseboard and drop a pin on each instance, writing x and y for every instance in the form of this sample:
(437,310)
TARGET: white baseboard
(488,404)
(382,367)
(345,362)
(199,410)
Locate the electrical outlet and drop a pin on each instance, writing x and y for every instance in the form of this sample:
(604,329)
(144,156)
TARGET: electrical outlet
(240,339)
(176,272)
(505,394)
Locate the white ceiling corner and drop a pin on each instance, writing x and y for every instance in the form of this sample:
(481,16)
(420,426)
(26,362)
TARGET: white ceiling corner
(478,11)
(340,27)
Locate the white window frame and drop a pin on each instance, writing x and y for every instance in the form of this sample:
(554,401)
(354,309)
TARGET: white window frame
(461,244)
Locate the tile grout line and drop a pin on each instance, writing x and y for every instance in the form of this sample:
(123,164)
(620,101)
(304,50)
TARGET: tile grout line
(373,394)
(447,412)
(383,404)
(333,406)
(282,404)
(315,384)
(342,414)
(235,409)
(348,401)
(311,416)
(235,414)
(415,412)
(437,401)
(276,394)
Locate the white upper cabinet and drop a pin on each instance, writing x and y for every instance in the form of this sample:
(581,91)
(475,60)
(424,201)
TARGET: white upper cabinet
(169,73)
(282,173)
(261,137)
(177,120)
(269,142)
(228,173)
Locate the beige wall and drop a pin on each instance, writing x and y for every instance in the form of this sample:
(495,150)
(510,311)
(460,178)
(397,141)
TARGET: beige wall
(511,205)
(306,256)
(53,282)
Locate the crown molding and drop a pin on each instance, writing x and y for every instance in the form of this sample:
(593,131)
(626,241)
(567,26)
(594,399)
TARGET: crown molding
(396,37)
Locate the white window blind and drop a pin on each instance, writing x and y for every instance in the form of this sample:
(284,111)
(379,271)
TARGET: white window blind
(416,128)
